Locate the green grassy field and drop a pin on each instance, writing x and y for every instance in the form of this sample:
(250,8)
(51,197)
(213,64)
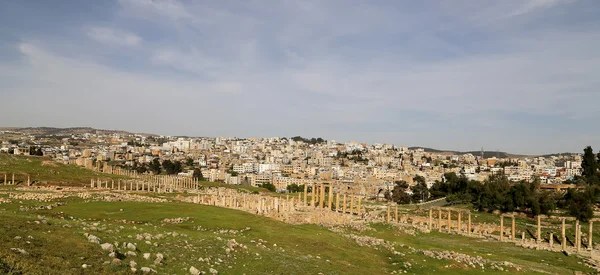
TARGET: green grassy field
(55,243)
(45,170)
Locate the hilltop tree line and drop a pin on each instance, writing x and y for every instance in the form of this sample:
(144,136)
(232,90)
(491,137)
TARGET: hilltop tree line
(497,193)
(309,141)
(167,166)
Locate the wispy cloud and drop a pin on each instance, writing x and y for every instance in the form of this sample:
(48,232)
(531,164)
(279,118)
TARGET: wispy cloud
(113,37)
(529,6)
(171,9)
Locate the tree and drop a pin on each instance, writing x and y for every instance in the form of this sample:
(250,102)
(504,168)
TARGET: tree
(198,174)
(579,205)
(420,191)
(172,167)
(189,162)
(589,165)
(155,166)
(140,168)
(399,194)
(35,151)
(438,190)
(269,186)
(294,188)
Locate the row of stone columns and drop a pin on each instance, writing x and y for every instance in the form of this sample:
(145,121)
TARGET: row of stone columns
(13,182)
(459,228)
(123,172)
(157,184)
(254,203)
(563,240)
(317,199)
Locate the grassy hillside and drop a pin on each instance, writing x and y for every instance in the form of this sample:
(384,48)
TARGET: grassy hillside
(45,170)
(55,243)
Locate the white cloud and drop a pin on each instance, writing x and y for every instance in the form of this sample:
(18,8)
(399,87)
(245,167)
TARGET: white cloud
(171,9)
(113,37)
(534,5)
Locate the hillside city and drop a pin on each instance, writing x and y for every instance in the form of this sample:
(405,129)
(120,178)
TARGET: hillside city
(372,168)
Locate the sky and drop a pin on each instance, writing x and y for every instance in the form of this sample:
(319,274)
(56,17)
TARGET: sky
(521,76)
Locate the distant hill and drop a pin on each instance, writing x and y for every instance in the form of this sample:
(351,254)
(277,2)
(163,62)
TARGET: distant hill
(62,131)
(558,155)
(487,154)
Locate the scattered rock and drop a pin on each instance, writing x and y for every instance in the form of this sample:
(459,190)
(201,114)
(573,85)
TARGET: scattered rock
(92,239)
(132,264)
(19,250)
(107,247)
(159,258)
(194,271)
(147,270)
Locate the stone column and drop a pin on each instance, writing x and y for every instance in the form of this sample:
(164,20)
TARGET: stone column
(13,179)
(440,219)
(322,196)
(312,196)
(539,229)
(358,209)
(513,228)
(449,220)
(344,204)
(577,234)
(388,214)
(397,214)
(28,180)
(330,199)
(305,193)
(469,224)
(5,179)
(430,225)
(119,185)
(112,186)
(563,241)
(91,182)
(551,240)
(458,228)
(352,204)
(590,236)
(337,202)
(501,227)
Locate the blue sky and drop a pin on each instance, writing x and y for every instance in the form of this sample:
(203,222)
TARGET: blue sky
(521,76)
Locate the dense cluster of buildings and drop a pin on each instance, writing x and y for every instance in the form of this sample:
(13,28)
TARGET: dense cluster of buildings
(286,161)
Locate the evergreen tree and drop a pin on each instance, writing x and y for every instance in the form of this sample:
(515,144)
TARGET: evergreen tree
(399,194)
(155,166)
(589,166)
(198,174)
(420,192)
